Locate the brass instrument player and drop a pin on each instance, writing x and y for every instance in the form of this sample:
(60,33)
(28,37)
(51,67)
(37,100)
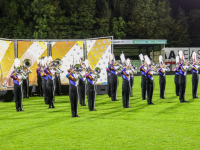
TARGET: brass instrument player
(18,77)
(143,69)
(176,78)
(51,70)
(195,76)
(183,67)
(73,92)
(150,82)
(26,64)
(57,77)
(162,80)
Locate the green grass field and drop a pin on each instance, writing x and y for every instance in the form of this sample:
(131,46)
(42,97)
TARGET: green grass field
(168,124)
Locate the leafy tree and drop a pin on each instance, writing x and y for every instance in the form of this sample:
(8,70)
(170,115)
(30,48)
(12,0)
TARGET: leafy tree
(179,36)
(194,26)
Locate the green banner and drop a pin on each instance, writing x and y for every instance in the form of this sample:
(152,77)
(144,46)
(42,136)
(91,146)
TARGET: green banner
(149,41)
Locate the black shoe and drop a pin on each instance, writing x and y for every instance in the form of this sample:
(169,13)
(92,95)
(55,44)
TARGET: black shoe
(77,116)
(151,103)
(131,95)
(84,105)
(128,107)
(17,110)
(144,99)
(94,110)
(163,98)
(195,97)
(21,110)
(53,107)
(184,101)
(116,100)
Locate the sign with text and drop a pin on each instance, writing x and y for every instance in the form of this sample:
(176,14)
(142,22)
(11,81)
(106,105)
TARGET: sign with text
(171,53)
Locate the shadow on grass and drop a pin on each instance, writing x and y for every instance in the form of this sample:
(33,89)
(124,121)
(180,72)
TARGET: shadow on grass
(169,109)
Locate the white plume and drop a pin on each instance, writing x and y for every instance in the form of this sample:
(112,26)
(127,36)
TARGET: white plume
(194,56)
(128,61)
(160,59)
(42,62)
(122,57)
(147,59)
(45,60)
(87,64)
(177,59)
(141,57)
(16,63)
(49,59)
(38,61)
(181,55)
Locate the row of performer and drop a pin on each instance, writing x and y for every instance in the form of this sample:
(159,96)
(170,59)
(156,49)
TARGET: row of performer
(82,80)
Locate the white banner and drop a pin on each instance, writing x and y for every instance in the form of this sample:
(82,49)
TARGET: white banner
(171,53)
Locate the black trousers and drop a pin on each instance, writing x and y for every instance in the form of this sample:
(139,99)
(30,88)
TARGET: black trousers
(91,97)
(162,82)
(131,85)
(176,81)
(109,85)
(182,86)
(39,82)
(150,87)
(144,86)
(195,82)
(125,93)
(81,92)
(114,84)
(26,88)
(44,89)
(58,85)
(18,96)
(73,95)
(50,92)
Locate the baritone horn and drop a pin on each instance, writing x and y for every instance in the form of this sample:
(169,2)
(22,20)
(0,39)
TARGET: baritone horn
(27,63)
(59,61)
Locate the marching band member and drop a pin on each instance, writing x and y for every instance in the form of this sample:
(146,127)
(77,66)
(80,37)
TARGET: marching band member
(108,78)
(132,72)
(57,77)
(182,77)
(125,87)
(81,86)
(51,71)
(90,77)
(162,80)
(43,75)
(26,64)
(143,77)
(176,78)
(195,76)
(113,79)
(17,76)
(150,81)
(39,80)
(73,94)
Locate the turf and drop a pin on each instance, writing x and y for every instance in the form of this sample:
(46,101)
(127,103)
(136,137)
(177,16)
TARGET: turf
(168,124)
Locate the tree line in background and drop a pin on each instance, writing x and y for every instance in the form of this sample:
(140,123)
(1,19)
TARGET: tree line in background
(79,19)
